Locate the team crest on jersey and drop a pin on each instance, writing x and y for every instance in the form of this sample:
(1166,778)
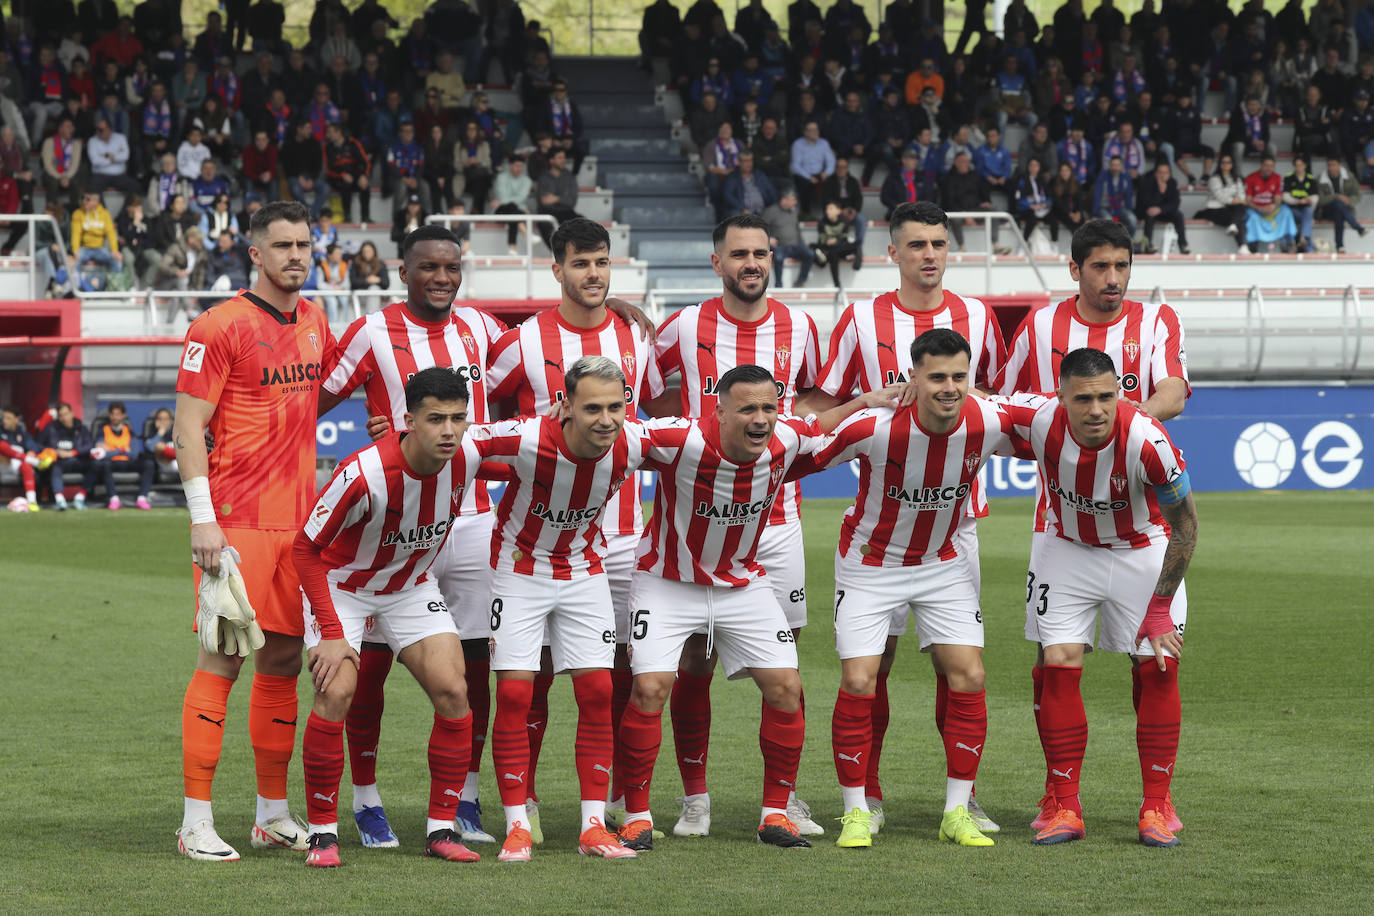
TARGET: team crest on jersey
(784,354)
(469,342)
(775,475)
(971,462)
(627,359)
(1131,349)
(1118,484)
(314,341)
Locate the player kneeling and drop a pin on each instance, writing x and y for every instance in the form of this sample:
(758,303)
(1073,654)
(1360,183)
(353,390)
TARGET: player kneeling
(364,556)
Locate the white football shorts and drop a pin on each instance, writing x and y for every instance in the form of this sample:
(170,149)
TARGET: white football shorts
(1070,586)
(745,625)
(620,567)
(463,570)
(396,620)
(873,602)
(782,554)
(576,612)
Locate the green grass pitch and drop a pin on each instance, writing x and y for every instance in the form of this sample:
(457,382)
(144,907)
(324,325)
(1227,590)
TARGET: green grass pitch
(1273,778)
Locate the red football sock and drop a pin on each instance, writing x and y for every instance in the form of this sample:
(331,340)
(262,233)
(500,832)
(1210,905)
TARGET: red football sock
(202,731)
(881,712)
(966,729)
(322,754)
(1064,732)
(272,710)
(537,722)
(622,679)
(450,742)
(851,737)
(510,741)
(592,690)
(364,721)
(1135,687)
(781,735)
(1156,728)
(641,734)
(1037,693)
(941,701)
(690,709)
(478,677)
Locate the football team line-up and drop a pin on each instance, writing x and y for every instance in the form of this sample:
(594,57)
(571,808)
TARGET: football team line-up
(405,554)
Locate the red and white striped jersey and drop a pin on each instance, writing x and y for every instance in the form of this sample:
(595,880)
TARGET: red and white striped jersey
(379,525)
(703,342)
(1102,497)
(549,520)
(913,485)
(708,511)
(871,348)
(382,351)
(1145,342)
(528,364)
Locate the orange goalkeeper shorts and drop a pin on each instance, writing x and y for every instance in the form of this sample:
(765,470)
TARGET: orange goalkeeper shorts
(269,578)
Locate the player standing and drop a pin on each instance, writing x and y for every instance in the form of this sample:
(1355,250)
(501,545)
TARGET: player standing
(741,327)
(897,554)
(719,477)
(380,352)
(1120,529)
(250,372)
(549,554)
(364,559)
(1145,342)
(870,348)
(528,364)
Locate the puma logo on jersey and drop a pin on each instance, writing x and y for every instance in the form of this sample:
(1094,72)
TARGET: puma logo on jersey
(397,346)
(513,778)
(1062,774)
(1169,770)
(975,751)
(709,348)
(1060,353)
(854,760)
(327,799)
(886,346)
(263,343)
(557,365)
(695,761)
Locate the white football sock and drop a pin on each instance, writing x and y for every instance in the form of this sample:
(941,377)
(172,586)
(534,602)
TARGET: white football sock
(516,814)
(324,828)
(593,810)
(269,808)
(195,810)
(366,797)
(433,823)
(853,798)
(768,811)
(632,816)
(957,792)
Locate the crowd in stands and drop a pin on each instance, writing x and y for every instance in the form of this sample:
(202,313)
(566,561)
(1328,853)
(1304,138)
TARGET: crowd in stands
(1111,106)
(196,133)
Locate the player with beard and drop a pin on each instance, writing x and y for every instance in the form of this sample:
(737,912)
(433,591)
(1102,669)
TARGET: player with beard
(528,365)
(740,327)
(871,348)
(250,374)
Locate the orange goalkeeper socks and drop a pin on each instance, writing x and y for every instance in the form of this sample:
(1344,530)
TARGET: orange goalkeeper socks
(202,731)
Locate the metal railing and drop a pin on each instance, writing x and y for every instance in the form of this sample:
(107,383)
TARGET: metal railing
(32,236)
(528,219)
(987,218)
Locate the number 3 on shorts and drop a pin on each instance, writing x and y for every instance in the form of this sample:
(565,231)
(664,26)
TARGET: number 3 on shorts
(496,606)
(1044,603)
(639,624)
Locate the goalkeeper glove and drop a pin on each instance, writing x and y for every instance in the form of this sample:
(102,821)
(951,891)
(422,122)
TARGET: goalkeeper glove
(225,621)
(1157,621)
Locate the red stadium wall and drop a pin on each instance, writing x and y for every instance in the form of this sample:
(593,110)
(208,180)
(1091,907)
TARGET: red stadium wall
(28,388)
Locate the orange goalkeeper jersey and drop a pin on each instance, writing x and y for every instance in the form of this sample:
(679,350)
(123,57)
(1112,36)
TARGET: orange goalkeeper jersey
(262,371)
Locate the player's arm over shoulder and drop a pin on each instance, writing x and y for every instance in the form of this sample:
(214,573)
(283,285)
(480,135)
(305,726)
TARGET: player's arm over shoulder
(345,501)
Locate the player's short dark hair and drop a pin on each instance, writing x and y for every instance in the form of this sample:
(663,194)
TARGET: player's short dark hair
(291,211)
(582,234)
(598,367)
(738,221)
(119,404)
(1097,233)
(743,375)
(435,382)
(431,232)
(939,342)
(1085,362)
(920,211)
(10,408)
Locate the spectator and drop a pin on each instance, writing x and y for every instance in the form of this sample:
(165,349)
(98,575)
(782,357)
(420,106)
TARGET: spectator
(1331,81)
(322,112)
(13,164)
(346,168)
(785,238)
(207,186)
(120,45)
(1300,195)
(188,90)
(212,42)
(432,115)
(659,31)
(165,184)
(217,128)
(924,76)
(1128,147)
(158,452)
(850,129)
(844,189)
(93,235)
(408,217)
(511,194)
(341,46)
(902,183)
(705,121)
(112,111)
(1159,201)
(192,153)
(47,89)
(892,132)
(1185,126)
(1067,204)
(218,219)
(747,190)
(961,141)
(712,81)
(1338,193)
(806,111)
(835,241)
(1268,221)
(170,225)
(330,278)
(367,270)
(1031,201)
(750,83)
(115,438)
(372,89)
(71,440)
(276,119)
(993,163)
(1357,129)
(256,86)
(184,267)
(1226,203)
(387,121)
(81,85)
(930,161)
(403,167)
(1013,96)
(61,155)
(962,189)
(19,451)
(472,160)
(109,154)
(260,165)
(812,163)
(749,124)
(1114,196)
(486,120)
(1152,129)
(562,120)
(772,155)
(134,232)
(448,82)
(322,235)
(557,192)
(299,81)
(437,170)
(720,158)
